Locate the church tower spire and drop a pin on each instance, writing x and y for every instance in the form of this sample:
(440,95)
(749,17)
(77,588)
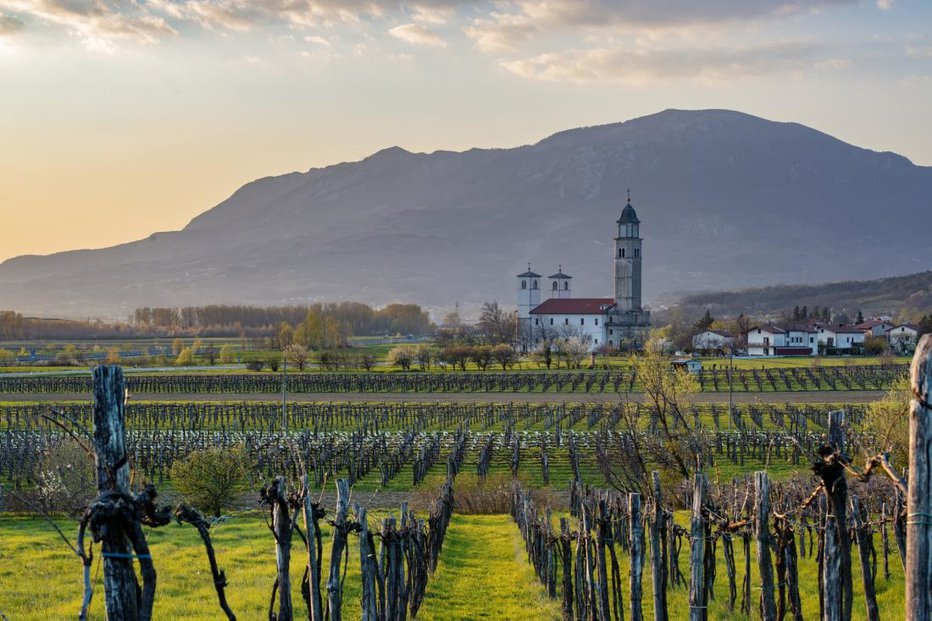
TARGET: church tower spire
(627,258)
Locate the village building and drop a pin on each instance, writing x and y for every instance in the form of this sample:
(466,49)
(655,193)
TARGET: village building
(713,341)
(618,322)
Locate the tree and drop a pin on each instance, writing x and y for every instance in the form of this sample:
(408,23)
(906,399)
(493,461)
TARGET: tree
(424,356)
(456,355)
(841,318)
(212,479)
(298,355)
(177,346)
(227,354)
(705,322)
(496,325)
(285,336)
(796,315)
(113,355)
(925,325)
(860,318)
(887,420)
(185,357)
(402,356)
(504,355)
(274,361)
(481,355)
(366,360)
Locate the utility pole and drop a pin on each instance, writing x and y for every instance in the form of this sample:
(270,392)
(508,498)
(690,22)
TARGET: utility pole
(284,391)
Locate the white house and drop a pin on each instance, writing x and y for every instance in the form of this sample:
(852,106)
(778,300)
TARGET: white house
(712,340)
(842,338)
(770,340)
(903,338)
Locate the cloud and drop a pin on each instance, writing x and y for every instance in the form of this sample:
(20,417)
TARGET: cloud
(519,20)
(10,25)
(97,22)
(643,65)
(417,35)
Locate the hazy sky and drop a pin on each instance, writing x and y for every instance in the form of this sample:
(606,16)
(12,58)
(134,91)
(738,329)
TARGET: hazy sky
(121,118)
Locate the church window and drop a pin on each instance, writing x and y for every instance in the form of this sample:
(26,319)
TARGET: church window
(610,331)
(566,286)
(596,321)
(597,341)
(555,285)
(582,321)
(536,321)
(551,321)
(637,252)
(566,321)
(533,284)
(524,284)
(622,253)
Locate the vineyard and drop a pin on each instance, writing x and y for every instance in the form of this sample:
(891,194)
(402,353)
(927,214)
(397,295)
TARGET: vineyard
(603,520)
(766,379)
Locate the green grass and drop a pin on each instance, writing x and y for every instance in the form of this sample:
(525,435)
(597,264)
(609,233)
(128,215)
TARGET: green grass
(40,579)
(483,575)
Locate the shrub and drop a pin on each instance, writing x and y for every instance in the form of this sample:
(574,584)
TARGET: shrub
(403,357)
(227,354)
(212,479)
(185,357)
(254,365)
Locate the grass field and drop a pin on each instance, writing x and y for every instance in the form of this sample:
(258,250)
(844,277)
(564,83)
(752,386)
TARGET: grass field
(483,574)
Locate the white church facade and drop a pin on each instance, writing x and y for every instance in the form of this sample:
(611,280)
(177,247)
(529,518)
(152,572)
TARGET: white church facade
(618,322)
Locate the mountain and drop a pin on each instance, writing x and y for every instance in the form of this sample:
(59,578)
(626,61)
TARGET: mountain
(726,200)
(908,297)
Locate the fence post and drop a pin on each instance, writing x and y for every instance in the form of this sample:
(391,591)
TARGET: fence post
(863,535)
(919,495)
(637,555)
(697,591)
(312,514)
(334,592)
(762,539)
(658,555)
(120,586)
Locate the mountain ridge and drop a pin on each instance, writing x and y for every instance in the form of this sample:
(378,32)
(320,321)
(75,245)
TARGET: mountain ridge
(727,200)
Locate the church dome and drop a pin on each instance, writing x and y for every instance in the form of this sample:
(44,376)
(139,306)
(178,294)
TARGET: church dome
(628,215)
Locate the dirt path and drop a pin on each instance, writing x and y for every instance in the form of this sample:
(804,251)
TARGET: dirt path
(825,396)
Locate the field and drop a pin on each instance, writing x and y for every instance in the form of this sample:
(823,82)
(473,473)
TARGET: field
(396,438)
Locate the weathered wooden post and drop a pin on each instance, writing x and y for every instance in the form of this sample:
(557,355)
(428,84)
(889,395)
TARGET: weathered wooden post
(867,575)
(762,539)
(836,555)
(121,591)
(919,494)
(658,554)
(334,593)
(636,555)
(282,528)
(698,609)
(312,515)
(368,568)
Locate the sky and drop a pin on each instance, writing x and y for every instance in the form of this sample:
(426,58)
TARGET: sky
(122,118)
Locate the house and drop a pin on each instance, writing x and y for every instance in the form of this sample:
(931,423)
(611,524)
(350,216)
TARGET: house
(903,337)
(804,340)
(712,340)
(875,327)
(843,339)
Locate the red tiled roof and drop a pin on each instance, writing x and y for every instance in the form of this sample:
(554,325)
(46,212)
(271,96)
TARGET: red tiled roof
(573,306)
(867,325)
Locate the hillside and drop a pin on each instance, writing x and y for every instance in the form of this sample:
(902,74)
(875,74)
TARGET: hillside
(905,296)
(727,200)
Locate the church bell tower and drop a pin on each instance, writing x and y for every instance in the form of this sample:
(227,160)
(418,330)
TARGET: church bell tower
(628,260)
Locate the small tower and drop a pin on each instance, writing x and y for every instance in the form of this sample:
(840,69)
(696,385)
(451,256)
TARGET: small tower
(528,293)
(560,285)
(628,260)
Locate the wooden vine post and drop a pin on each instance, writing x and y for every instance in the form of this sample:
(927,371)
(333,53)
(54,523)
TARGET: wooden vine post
(919,495)
(121,591)
(334,590)
(768,607)
(636,548)
(698,610)
(658,553)
(836,556)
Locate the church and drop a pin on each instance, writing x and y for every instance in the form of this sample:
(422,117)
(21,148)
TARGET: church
(612,323)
